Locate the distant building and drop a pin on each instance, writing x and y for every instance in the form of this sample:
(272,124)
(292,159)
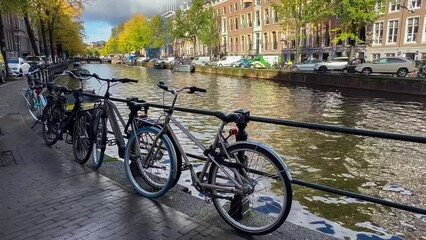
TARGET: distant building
(98,44)
(16,37)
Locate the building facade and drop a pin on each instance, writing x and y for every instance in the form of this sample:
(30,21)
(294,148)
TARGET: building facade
(248,27)
(400,31)
(16,37)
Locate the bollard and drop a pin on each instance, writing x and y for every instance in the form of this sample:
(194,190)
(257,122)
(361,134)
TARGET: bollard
(238,205)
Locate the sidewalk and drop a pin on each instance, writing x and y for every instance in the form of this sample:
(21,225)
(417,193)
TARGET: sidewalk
(44,194)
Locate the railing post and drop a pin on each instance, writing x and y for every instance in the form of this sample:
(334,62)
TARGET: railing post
(238,204)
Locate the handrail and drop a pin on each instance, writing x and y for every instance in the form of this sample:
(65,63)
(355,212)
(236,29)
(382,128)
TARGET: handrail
(361,132)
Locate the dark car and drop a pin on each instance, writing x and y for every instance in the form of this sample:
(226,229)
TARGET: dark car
(350,68)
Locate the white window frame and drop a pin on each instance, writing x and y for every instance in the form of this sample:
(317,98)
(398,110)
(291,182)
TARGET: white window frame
(243,21)
(395,4)
(378,40)
(266,15)
(406,30)
(414,4)
(393,32)
(424,31)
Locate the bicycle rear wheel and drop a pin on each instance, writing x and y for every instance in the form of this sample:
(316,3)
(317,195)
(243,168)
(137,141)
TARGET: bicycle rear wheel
(99,140)
(267,202)
(82,139)
(52,116)
(153,177)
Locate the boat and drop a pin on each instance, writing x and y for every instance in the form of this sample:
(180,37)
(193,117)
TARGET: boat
(183,68)
(159,65)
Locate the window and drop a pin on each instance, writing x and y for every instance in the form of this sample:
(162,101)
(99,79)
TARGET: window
(250,44)
(265,39)
(412,29)
(235,7)
(249,20)
(413,4)
(394,6)
(224,25)
(257,2)
(393,31)
(266,16)
(375,56)
(231,24)
(236,44)
(257,18)
(224,10)
(236,23)
(424,31)
(274,16)
(378,33)
(231,8)
(243,22)
(379,7)
(390,54)
(217,12)
(274,41)
(243,44)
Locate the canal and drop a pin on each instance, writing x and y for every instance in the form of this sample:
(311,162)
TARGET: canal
(387,169)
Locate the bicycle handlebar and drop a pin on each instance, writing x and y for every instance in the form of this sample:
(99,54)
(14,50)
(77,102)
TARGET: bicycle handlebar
(192,89)
(122,80)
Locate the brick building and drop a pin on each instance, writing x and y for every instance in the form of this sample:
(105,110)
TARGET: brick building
(16,37)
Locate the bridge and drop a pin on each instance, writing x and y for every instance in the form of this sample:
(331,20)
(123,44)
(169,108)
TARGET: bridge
(92,60)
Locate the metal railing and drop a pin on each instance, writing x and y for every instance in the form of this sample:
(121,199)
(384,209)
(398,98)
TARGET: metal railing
(48,74)
(312,126)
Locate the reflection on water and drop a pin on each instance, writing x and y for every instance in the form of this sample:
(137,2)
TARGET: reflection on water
(387,169)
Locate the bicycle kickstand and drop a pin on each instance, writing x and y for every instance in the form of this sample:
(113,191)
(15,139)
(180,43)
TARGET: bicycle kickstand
(38,120)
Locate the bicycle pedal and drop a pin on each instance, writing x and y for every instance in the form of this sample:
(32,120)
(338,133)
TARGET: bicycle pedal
(185,167)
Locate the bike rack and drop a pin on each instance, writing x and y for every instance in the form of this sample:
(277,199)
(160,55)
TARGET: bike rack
(321,127)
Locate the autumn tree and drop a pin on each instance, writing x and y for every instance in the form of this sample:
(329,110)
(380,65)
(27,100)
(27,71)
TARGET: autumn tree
(209,34)
(354,15)
(297,14)
(157,33)
(135,34)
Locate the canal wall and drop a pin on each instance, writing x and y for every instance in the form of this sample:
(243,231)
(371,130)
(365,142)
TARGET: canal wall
(376,83)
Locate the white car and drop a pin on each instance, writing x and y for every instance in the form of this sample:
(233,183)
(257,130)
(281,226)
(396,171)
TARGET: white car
(169,60)
(15,64)
(335,64)
(400,66)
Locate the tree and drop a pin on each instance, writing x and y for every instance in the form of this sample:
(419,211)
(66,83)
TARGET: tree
(353,15)
(157,33)
(209,34)
(135,34)
(297,14)
(111,47)
(189,23)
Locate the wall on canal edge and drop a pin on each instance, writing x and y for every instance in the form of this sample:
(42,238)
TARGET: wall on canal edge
(378,83)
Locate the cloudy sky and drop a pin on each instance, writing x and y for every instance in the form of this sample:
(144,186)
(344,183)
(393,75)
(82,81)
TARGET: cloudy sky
(101,15)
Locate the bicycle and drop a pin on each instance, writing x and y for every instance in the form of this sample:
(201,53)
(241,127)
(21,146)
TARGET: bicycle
(77,123)
(34,100)
(252,200)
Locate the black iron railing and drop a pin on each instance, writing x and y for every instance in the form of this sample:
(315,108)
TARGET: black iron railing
(360,132)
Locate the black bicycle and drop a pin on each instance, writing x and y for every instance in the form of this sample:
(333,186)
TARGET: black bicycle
(76,122)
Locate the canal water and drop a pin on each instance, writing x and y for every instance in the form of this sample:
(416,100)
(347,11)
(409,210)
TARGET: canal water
(387,169)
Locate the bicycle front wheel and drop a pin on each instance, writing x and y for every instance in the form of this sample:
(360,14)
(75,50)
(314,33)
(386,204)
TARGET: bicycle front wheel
(151,177)
(82,139)
(99,141)
(52,116)
(267,199)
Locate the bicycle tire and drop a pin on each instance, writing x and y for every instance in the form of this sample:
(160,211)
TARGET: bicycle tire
(52,117)
(146,183)
(82,138)
(99,140)
(274,195)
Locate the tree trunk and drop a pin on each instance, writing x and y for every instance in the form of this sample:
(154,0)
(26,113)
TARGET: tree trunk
(351,51)
(43,36)
(30,33)
(52,46)
(3,44)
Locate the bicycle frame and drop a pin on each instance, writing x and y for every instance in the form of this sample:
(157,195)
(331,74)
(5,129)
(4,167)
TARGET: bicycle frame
(218,142)
(111,113)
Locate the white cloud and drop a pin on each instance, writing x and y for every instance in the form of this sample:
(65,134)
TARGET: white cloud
(116,12)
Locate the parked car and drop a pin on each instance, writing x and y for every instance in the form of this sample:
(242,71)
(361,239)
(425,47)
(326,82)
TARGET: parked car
(238,63)
(211,63)
(169,60)
(35,61)
(200,60)
(350,67)
(153,60)
(14,65)
(228,61)
(258,62)
(400,66)
(307,65)
(47,60)
(335,64)
(141,59)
